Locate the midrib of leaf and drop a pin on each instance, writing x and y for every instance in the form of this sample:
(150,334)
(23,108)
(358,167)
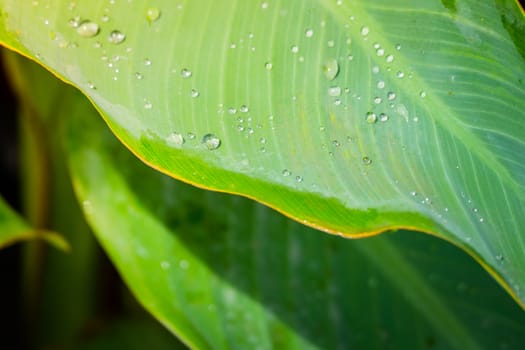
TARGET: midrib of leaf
(410,284)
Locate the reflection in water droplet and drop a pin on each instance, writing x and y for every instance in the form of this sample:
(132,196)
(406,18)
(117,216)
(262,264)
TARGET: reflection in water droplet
(423,94)
(378,100)
(175,138)
(383,117)
(268,65)
(88,29)
(331,69)
(381,84)
(244,109)
(139,76)
(286,172)
(371,117)
(398,47)
(116,37)
(295,49)
(74,22)
(400,74)
(211,141)
(194,93)
(152,14)
(365,30)
(309,33)
(185,73)
(334,91)
(389,59)
(391,96)
(299,178)
(367,161)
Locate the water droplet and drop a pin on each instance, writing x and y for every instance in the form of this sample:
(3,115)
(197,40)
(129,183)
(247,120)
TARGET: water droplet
(286,172)
(191,136)
(165,265)
(336,143)
(400,74)
(74,22)
(330,43)
(331,69)
(175,138)
(295,48)
(139,76)
(148,105)
(147,62)
(391,96)
(398,47)
(309,33)
(264,5)
(104,18)
(152,14)
(380,52)
(183,264)
(375,69)
(116,37)
(378,100)
(194,93)
(499,257)
(262,140)
(211,141)
(334,91)
(389,58)
(244,109)
(383,117)
(350,57)
(185,73)
(413,193)
(365,30)
(91,85)
(381,84)
(268,65)
(88,29)
(423,94)
(367,161)
(299,178)
(371,117)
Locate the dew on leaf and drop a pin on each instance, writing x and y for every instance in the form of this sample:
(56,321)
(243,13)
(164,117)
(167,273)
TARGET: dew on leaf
(194,93)
(309,33)
(175,138)
(211,141)
(152,14)
(400,74)
(367,161)
(116,37)
(383,117)
(268,65)
(74,22)
(331,69)
(423,94)
(365,30)
(389,58)
(371,117)
(391,96)
(299,178)
(334,91)
(381,84)
(185,73)
(294,48)
(147,62)
(139,76)
(244,109)
(378,100)
(286,172)
(88,29)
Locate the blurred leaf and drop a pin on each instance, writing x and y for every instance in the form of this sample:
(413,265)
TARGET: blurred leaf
(14,229)
(224,272)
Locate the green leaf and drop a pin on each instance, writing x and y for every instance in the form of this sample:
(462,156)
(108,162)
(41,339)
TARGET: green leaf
(224,272)
(350,116)
(14,229)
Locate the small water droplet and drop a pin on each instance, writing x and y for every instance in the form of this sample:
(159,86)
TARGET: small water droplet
(336,143)
(391,96)
(264,5)
(244,109)
(381,84)
(331,69)
(139,76)
(400,74)
(185,73)
(365,30)
(380,52)
(499,257)
(378,100)
(367,161)
(148,105)
(191,136)
(183,264)
(116,37)
(211,141)
(294,48)
(152,14)
(398,47)
(88,29)
(334,91)
(383,117)
(299,178)
(423,94)
(375,69)
(309,33)
(194,93)
(165,265)
(268,65)
(147,62)
(91,85)
(286,172)
(371,117)
(330,43)
(389,58)
(350,57)
(74,22)
(175,138)
(413,193)
(262,140)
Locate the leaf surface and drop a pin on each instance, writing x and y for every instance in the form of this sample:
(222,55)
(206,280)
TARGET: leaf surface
(351,116)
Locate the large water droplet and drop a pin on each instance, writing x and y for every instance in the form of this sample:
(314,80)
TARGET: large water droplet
(116,37)
(152,14)
(88,29)
(211,141)
(331,69)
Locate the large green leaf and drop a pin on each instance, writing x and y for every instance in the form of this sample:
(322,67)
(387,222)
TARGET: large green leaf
(224,272)
(350,116)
